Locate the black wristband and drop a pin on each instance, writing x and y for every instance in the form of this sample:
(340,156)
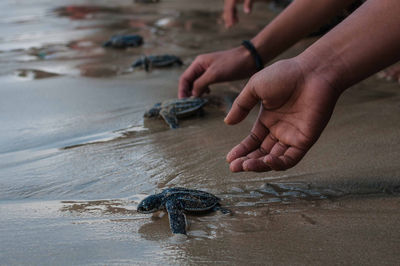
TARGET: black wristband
(257,58)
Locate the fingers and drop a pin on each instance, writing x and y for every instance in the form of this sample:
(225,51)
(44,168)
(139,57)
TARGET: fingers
(265,147)
(230,13)
(247,6)
(256,165)
(246,164)
(252,161)
(188,77)
(289,159)
(237,164)
(278,149)
(250,143)
(270,155)
(243,104)
(201,84)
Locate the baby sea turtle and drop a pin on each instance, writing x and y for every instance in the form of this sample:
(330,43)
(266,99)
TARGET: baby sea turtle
(157,61)
(123,41)
(171,110)
(178,201)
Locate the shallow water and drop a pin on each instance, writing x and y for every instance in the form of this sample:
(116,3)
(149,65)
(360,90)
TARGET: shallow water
(76,155)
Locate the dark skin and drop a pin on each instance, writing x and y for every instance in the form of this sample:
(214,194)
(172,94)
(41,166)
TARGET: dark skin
(237,63)
(293,113)
(298,95)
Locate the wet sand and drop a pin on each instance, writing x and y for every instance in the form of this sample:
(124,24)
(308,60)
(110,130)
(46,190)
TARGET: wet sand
(76,155)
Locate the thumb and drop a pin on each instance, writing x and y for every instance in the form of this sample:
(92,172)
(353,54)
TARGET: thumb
(247,6)
(243,104)
(201,84)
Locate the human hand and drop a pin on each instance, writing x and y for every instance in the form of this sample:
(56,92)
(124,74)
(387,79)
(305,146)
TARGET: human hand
(215,67)
(296,105)
(230,12)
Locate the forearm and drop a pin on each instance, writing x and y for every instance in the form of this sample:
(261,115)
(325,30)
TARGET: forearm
(297,21)
(364,43)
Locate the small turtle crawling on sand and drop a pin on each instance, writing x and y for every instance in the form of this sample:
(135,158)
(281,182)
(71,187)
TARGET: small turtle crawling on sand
(157,61)
(171,110)
(123,41)
(178,201)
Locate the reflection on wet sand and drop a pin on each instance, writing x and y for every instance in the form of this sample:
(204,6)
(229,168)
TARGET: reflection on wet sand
(216,108)
(96,71)
(32,74)
(252,210)
(91,25)
(100,207)
(85,12)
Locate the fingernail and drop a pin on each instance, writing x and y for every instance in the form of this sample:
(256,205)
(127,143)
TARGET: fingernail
(226,121)
(229,157)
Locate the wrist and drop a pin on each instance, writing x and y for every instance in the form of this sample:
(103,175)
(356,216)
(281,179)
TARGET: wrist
(324,64)
(256,56)
(247,60)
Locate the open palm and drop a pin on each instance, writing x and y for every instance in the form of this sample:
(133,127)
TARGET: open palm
(295,108)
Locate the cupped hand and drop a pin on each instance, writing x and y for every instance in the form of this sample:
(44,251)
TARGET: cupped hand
(295,107)
(215,67)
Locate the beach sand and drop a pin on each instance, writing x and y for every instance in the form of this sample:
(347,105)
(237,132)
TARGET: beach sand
(76,155)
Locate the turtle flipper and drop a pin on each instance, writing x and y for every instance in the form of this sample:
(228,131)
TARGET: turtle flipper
(154,111)
(179,62)
(169,117)
(177,218)
(146,63)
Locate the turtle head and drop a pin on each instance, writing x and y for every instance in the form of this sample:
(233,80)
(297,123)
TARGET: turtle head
(150,204)
(107,44)
(155,111)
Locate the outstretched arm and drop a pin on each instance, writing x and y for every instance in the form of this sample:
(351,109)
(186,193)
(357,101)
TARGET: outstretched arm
(298,20)
(364,43)
(298,95)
